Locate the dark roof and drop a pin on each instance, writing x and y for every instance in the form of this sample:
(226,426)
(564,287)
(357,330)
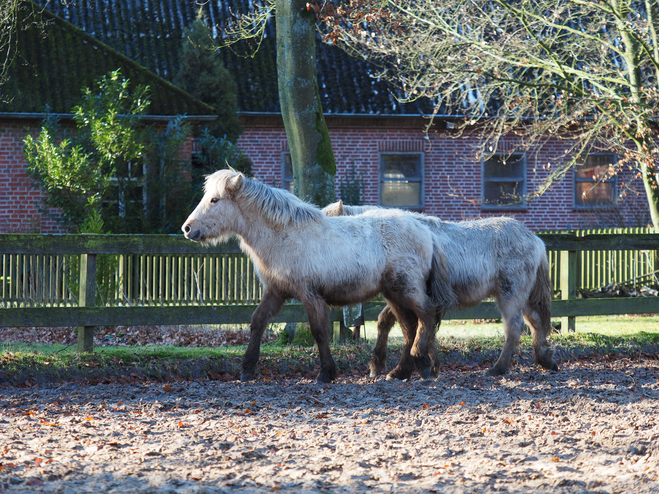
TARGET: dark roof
(150,32)
(55,60)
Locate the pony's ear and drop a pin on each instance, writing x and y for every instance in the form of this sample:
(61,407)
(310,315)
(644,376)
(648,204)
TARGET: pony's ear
(340,207)
(234,184)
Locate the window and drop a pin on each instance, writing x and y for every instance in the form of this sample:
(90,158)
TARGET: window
(592,188)
(287,172)
(504,182)
(401,180)
(128,194)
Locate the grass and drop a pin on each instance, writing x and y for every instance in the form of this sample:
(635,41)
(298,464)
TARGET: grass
(460,342)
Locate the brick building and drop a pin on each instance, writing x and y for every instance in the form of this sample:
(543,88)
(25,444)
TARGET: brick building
(54,61)
(372,134)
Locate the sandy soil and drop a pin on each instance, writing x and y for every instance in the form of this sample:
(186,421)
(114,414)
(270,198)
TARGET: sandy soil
(592,427)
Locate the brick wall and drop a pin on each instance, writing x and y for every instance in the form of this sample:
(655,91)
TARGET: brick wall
(452,178)
(21,210)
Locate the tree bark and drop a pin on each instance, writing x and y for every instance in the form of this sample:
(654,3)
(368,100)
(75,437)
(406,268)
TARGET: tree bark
(308,137)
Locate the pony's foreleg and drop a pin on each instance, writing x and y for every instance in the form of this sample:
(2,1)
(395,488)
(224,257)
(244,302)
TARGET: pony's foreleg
(319,325)
(386,321)
(270,305)
(512,325)
(408,325)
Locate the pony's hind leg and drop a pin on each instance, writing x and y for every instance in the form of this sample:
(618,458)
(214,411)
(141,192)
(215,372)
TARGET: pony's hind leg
(512,325)
(537,313)
(270,305)
(424,343)
(319,324)
(543,354)
(386,321)
(408,324)
(434,351)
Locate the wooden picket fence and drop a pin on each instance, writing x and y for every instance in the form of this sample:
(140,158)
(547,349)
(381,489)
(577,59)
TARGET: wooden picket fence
(112,280)
(600,268)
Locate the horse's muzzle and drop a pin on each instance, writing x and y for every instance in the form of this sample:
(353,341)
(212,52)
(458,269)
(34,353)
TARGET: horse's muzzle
(191,234)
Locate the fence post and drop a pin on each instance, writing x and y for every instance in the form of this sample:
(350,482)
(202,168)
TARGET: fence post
(341,332)
(568,286)
(87,298)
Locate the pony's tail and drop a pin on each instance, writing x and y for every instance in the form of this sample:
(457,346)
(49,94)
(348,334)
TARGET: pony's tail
(439,283)
(540,296)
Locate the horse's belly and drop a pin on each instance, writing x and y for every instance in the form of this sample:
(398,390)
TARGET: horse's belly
(349,292)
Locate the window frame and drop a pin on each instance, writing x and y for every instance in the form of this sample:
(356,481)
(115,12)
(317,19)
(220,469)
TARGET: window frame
(139,181)
(613,180)
(521,206)
(420,180)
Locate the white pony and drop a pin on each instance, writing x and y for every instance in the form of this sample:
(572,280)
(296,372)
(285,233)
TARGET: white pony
(496,257)
(300,253)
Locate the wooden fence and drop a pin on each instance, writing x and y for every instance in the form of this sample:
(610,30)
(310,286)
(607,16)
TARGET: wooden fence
(599,268)
(112,280)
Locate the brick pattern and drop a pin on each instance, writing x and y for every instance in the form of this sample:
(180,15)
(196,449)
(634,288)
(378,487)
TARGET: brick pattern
(21,208)
(452,179)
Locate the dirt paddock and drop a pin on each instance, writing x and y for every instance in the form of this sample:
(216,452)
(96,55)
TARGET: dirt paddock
(592,427)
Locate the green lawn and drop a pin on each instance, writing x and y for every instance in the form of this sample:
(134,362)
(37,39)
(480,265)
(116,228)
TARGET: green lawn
(459,342)
(607,325)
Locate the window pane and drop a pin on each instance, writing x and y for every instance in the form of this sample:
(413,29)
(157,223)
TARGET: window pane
(288,167)
(400,180)
(503,166)
(503,193)
(401,166)
(288,173)
(595,167)
(401,194)
(594,194)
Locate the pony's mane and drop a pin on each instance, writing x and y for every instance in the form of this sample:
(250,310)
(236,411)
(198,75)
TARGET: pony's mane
(278,206)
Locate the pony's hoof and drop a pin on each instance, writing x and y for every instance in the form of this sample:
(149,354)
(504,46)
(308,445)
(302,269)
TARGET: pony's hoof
(246,376)
(400,375)
(549,365)
(495,371)
(324,378)
(425,373)
(373,374)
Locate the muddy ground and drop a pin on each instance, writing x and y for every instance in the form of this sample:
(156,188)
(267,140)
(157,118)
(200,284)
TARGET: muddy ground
(592,427)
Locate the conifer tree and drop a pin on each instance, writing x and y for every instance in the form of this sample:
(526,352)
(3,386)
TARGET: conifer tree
(203,75)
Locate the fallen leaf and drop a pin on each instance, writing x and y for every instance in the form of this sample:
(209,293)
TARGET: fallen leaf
(167,387)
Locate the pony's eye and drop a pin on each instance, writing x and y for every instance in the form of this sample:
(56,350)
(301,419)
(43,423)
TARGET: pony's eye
(214,200)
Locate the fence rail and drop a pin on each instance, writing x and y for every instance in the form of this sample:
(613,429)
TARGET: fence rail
(108,280)
(598,268)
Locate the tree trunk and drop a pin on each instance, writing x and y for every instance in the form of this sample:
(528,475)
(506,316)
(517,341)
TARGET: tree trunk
(308,137)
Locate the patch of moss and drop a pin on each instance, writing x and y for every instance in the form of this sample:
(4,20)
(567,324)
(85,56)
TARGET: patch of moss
(303,336)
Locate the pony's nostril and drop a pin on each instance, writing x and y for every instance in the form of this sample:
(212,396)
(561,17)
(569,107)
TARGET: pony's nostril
(186,228)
